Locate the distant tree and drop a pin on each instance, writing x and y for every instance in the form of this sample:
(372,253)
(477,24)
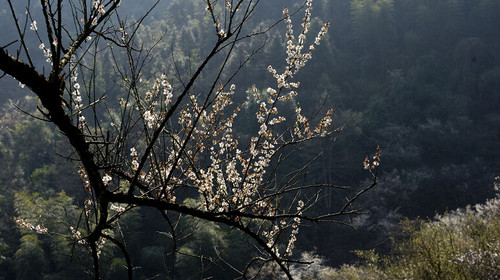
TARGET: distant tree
(162,145)
(461,244)
(29,259)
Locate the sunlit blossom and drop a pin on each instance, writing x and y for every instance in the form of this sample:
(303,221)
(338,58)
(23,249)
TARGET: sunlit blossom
(34,26)
(106,179)
(40,229)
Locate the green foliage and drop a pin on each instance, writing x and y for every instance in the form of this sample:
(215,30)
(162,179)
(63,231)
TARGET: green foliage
(32,142)
(55,249)
(43,177)
(30,258)
(117,269)
(463,244)
(56,212)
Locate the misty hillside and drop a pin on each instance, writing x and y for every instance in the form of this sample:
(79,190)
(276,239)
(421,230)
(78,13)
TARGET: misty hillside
(419,79)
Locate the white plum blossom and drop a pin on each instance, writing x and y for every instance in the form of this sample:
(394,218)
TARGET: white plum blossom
(40,229)
(34,26)
(106,179)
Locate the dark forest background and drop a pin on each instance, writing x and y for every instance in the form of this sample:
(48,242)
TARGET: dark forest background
(420,79)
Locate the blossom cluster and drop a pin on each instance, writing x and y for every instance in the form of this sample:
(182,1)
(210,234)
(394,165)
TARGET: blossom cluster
(295,58)
(376,160)
(106,179)
(37,228)
(234,179)
(295,229)
(485,262)
(221,33)
(76,95)
(87,188)
(153,104)
(99,8)
(77,235)
(34,26)
(201,150)
(134,163)
(46,51)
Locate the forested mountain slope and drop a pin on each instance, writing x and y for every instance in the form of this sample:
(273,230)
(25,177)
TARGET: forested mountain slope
(419,79)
